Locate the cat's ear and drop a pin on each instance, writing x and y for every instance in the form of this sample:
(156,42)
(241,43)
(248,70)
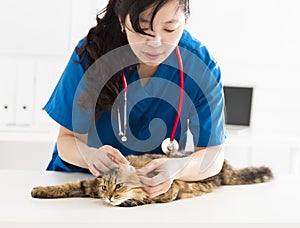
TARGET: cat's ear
(98,180)
(127,168)
(130,168)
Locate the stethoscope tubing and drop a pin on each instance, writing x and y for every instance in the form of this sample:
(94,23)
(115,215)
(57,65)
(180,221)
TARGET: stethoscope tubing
(181,96)
(122,134)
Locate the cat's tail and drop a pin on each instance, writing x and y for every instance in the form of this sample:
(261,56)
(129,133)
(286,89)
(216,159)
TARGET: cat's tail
(248,175)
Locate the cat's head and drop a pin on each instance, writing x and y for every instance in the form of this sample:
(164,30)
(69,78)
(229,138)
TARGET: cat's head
(119,184)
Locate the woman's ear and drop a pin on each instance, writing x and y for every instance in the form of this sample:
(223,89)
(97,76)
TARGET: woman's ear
(185,22)
(120,20)
(122,24)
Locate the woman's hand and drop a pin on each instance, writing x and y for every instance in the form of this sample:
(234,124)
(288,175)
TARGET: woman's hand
(103,159)
(158,175)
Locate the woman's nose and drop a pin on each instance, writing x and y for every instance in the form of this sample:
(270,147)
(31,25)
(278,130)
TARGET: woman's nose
(155,41)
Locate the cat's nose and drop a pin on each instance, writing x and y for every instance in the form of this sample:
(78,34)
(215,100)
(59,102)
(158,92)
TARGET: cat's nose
(110,197)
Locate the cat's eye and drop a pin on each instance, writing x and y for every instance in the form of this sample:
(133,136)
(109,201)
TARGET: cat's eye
(119,186)
(103,187)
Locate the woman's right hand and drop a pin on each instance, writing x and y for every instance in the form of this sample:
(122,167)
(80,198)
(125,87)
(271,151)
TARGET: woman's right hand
(103,159)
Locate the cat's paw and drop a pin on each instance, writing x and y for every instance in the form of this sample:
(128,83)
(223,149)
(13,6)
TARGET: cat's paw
(39,192)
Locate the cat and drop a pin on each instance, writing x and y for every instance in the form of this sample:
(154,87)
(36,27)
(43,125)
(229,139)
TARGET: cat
(121,186)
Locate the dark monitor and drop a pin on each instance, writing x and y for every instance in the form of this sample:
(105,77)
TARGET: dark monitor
(238,102)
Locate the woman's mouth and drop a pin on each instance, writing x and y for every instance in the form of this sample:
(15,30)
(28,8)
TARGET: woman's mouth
(152,56)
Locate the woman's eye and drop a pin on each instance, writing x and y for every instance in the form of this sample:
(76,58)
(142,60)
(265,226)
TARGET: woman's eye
(103,187)
(145,29)
(169,30)
(118,186)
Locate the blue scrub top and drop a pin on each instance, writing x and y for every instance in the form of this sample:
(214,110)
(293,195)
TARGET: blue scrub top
(151,109)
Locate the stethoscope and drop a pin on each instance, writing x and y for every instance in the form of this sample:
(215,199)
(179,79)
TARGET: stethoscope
(169,145)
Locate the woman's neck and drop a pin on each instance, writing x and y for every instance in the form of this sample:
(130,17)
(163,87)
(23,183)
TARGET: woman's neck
(146,72)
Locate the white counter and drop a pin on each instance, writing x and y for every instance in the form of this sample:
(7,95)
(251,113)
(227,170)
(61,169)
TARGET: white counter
(268,205)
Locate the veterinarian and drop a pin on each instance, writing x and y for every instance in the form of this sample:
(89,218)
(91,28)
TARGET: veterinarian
(135,84)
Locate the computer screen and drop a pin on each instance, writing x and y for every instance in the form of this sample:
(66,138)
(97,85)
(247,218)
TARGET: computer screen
(238,103)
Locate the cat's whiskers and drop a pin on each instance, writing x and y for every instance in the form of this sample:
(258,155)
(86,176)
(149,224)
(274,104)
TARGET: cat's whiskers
(116,202)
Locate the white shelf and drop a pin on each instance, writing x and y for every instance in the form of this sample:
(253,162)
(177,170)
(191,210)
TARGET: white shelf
(28,134)
(252,137)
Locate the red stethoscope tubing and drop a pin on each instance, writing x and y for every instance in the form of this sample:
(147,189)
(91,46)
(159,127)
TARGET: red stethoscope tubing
(124,82)
(181,96)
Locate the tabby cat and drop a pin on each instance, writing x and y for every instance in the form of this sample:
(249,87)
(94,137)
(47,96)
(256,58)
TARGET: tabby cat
(122,187)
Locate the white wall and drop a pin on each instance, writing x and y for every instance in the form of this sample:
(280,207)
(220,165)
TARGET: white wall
(37,38)
(256,43)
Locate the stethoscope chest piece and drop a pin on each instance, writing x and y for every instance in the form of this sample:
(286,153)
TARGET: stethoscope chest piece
(123,138)
(169,146)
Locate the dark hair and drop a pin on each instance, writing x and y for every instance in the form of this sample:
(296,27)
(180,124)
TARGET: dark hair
(107,36)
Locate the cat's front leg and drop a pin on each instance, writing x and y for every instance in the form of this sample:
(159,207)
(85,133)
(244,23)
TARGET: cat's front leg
(49,192)
(135,202)
(74,189)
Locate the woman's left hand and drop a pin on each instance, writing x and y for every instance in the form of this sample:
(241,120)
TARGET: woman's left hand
(158,175)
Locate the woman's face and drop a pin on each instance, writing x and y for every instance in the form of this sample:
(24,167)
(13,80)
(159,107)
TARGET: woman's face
(168,26)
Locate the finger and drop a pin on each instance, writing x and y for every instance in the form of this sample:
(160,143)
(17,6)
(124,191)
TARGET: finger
(108,162)
(152,195)
(94,171)
(150,167)
(117,156)
(100,166)
(145,170)
(153,181)
(157,190)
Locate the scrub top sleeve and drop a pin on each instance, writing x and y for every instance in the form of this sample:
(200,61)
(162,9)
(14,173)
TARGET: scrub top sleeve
(207,123)
(62,105)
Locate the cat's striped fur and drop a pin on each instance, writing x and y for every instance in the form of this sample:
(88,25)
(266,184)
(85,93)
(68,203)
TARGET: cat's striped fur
(122,187)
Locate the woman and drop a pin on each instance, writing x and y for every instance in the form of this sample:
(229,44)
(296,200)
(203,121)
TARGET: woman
(133,48)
